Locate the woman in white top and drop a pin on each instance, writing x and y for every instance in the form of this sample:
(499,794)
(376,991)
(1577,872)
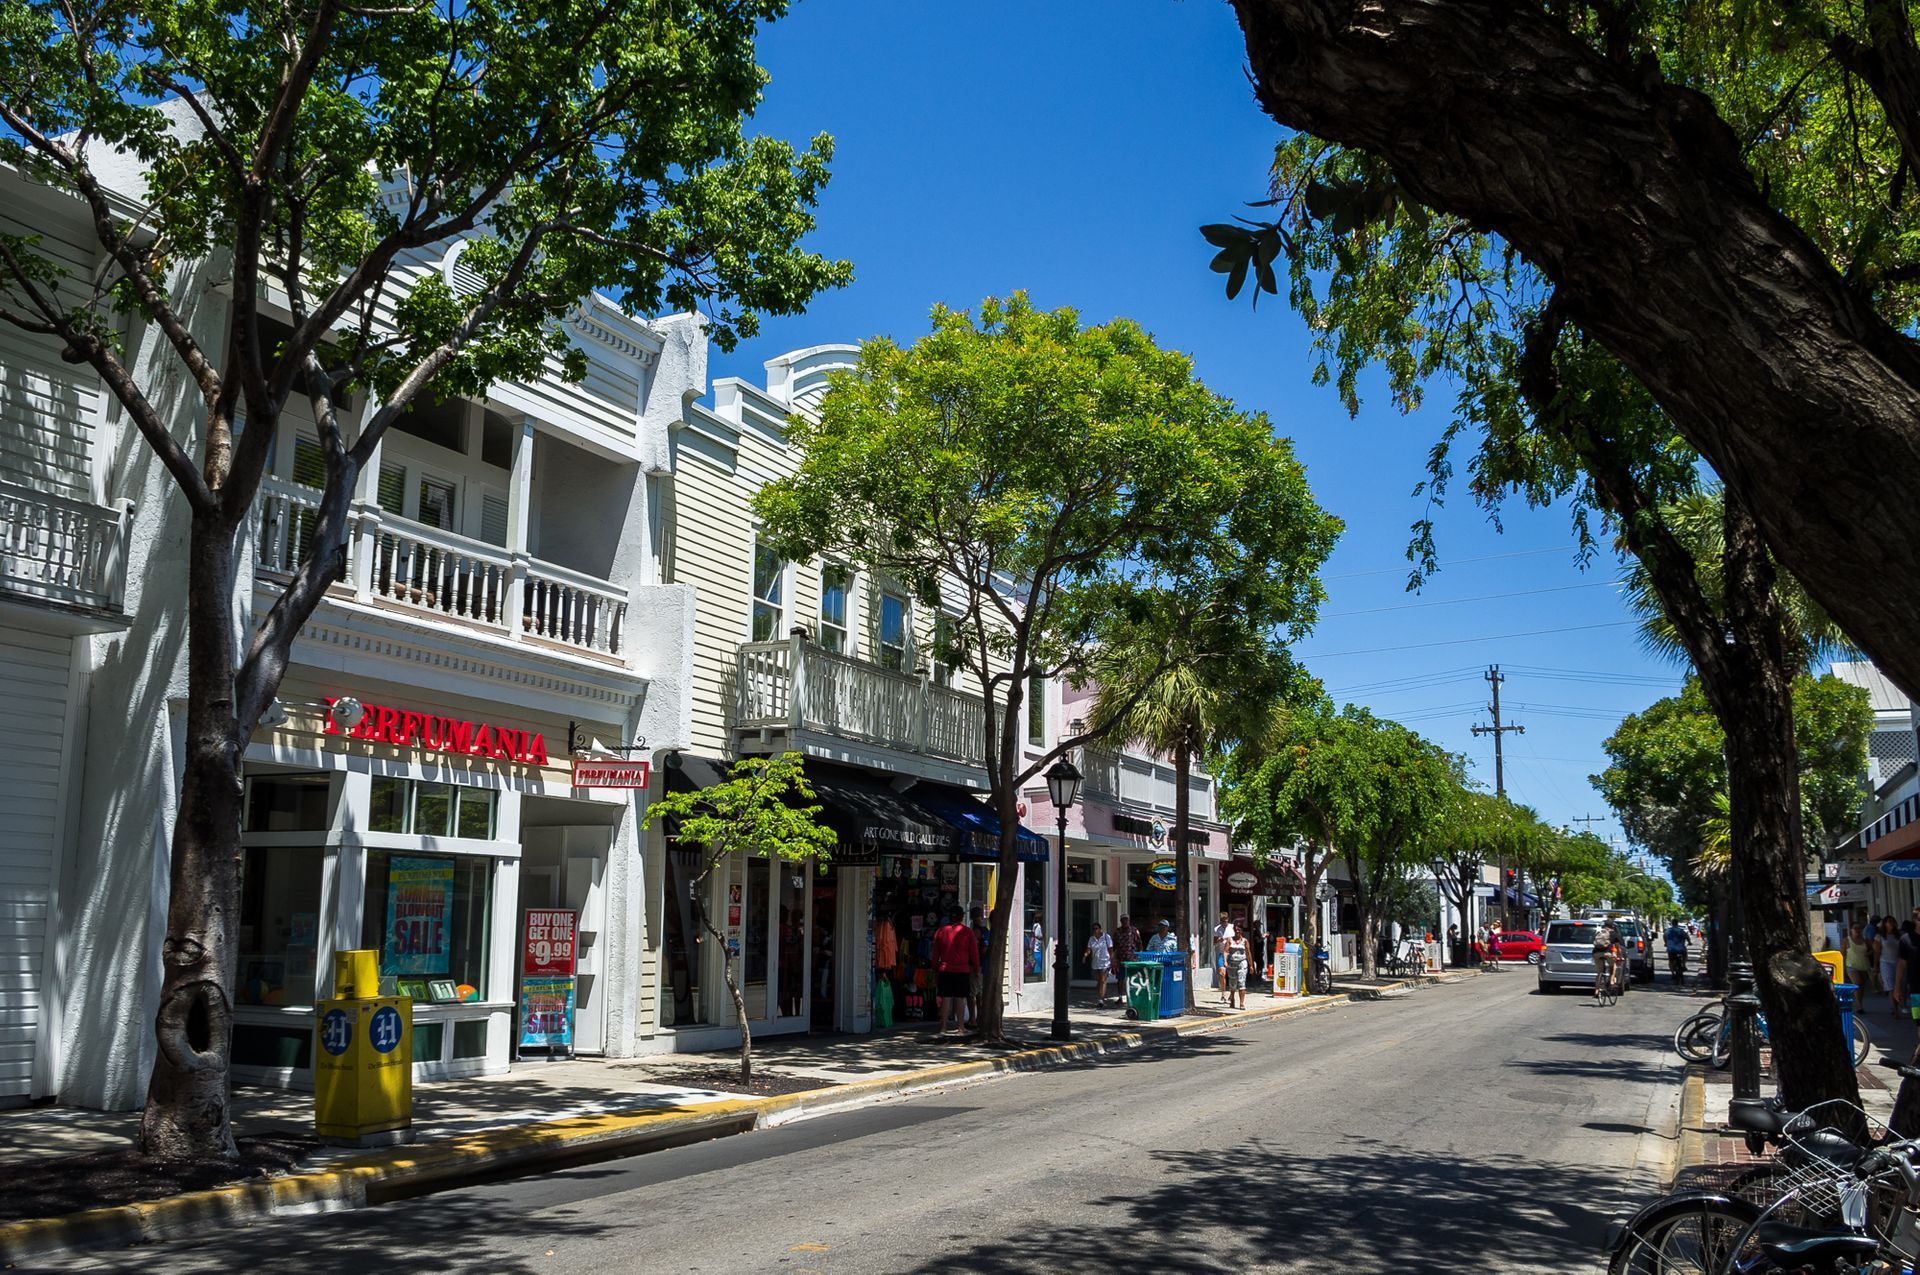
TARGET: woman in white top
(1099,954)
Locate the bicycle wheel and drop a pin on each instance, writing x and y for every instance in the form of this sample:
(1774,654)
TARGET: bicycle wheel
(1693,1040)
(1723,1043)
(1687,1234)
(1862,1042)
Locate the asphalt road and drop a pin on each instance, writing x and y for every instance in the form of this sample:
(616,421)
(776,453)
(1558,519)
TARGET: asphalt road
(1468,1127)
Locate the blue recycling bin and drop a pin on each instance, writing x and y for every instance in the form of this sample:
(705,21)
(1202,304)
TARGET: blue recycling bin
(1173,982)
(1844,993)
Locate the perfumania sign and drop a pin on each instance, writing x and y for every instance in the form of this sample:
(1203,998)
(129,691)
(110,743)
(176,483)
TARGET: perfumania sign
(434,734)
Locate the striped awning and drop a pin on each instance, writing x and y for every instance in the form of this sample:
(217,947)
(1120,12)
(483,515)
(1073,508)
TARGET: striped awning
(1896,834)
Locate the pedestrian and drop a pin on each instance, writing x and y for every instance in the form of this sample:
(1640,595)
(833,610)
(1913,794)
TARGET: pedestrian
(1099,955)
(981,937)
(1854,957)
(1890,963)
(1909,953)
(1256,951)
(1126,942)
(1221,933)
(956,958)
(1453,945)
(1235,968)
(1163,940)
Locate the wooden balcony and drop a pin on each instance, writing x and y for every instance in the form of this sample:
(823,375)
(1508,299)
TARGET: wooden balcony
(62,553)
(395,561)
(796,695)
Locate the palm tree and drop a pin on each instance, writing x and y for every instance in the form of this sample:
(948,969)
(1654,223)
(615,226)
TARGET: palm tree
(1210,682)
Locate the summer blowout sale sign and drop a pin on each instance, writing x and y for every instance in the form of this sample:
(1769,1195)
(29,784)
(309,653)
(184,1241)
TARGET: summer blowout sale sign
(546,978)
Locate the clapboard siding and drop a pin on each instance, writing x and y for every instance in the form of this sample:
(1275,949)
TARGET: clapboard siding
(48,407)
(33,686)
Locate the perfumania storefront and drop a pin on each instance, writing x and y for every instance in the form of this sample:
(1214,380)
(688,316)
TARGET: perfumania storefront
(423,825)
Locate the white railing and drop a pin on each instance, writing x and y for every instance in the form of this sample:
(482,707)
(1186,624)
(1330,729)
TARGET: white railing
(794,685)
(1143,781)
(398,561)
(63,550)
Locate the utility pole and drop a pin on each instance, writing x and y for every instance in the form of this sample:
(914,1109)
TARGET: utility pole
(1590,820)
(1497,730)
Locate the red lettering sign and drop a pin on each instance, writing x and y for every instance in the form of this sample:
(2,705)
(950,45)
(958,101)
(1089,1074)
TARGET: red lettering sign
(610,774)
(408,729)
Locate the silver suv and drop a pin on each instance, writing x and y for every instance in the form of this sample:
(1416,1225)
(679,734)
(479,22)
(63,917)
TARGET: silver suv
(1567,959)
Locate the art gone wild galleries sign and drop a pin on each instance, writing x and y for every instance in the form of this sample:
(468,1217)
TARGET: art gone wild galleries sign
(434,734)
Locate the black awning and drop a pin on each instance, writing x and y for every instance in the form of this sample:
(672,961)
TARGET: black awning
(979,826)
(872,819)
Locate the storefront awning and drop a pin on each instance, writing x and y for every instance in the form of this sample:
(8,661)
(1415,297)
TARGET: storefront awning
(1280,878)
(976,819)
(872,820)
(1896,834)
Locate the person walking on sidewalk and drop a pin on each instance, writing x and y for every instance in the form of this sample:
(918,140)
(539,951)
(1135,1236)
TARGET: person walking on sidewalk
(956,958)
(1221,933)
(982,938)
(1163,940)
(1887,944)
(1235,968)
(1126,942)
(1099,955)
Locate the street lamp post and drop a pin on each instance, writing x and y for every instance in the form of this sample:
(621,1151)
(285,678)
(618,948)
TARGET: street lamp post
(1063,787)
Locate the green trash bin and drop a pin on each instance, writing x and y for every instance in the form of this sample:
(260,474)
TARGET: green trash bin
(1143,989)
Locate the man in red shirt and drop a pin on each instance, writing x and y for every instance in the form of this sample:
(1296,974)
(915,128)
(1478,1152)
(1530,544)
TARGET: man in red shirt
(956,959)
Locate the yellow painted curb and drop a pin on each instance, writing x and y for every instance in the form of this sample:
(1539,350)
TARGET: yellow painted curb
(1693,1121)
(410,1170)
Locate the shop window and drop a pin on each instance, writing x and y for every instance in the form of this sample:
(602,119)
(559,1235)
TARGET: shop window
(790,970)
(429,916)
(470,1039)
(890,630)
(1037,711)
(427,809)
(753,936)
(428,1039)
(1079,872)
(835,581)
(286,803)
(1034,963)
(279,925)
(685,943)
(769,594)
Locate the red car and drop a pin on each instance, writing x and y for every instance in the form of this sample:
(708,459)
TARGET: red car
(1518,945)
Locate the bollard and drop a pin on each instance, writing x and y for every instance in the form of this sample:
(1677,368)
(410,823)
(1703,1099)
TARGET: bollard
(1744,1008)
(1846,994)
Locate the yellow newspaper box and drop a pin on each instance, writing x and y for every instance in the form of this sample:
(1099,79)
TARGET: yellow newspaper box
(1836,965)
(363,1068)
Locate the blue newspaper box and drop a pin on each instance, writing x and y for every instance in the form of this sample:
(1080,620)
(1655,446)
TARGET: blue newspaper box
(1173,982)
(1844,993)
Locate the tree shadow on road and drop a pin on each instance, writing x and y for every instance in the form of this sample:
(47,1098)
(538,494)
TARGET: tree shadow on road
(1368,1207)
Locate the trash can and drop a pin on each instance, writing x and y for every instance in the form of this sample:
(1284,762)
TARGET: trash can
(1143,989)
(1844,993)
(1173,983)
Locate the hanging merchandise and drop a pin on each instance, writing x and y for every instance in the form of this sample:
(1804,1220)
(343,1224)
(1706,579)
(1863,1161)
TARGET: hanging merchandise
(883,1003)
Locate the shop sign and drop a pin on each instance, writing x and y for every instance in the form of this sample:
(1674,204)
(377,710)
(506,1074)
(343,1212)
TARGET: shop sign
(1242,882)
(429,733)
(1158,835)
(1904,869)
(610,774)
(419,916)
(1163,874)
(551,938)
(1840,895)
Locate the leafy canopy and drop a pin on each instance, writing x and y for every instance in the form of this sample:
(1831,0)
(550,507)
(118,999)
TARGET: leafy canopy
(764,808)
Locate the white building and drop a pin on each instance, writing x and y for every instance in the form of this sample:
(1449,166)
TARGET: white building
(504,584)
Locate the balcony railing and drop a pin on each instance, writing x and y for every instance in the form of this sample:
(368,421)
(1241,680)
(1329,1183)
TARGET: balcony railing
(396,560)
(1142,781)
(58,549)
(793,685)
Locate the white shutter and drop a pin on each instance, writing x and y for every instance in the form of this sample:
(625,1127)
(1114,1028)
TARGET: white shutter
(47,409)
(493,519)
(33,713)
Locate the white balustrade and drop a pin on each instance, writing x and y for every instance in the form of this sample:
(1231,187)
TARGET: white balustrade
(795,685)
(60,549)
(567,606)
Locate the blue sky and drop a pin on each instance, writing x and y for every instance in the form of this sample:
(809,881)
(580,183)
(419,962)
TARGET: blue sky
(1072,149)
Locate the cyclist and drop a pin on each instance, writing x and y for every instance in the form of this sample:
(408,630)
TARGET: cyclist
(1677,952)
(1606,958)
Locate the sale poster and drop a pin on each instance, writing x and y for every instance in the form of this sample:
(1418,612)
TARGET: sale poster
(548,950)
(419,912)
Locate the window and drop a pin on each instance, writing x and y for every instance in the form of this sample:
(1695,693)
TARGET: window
(286,803)
(429,916)
(835,581)
(1037,711)
(769,594)
(430,809)
(890,629)
(279,925)
(391,491)
(1033,938)
(946,648)
(436,504)
(309,463)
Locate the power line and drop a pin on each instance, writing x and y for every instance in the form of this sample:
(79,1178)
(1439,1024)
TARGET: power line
(1485,597)
(1453,562)
(1491,637)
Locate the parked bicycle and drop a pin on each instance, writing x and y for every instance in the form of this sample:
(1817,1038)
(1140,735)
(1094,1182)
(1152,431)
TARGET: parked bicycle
(1320,972)
(1708,1037)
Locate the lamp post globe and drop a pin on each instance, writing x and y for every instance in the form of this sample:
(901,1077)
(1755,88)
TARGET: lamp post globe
(1063,787)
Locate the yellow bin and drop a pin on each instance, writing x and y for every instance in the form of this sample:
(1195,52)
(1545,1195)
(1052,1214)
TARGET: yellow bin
(362,1058)
(1836,965)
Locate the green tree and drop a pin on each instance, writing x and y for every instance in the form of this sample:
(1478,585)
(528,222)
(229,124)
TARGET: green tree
(307,156)
(1476,829)
(1198,676)
(1757,271)
(1285,797)
(1059,486)
(1401,789)
(758,811)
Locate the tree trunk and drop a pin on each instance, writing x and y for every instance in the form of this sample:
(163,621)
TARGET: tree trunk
(1183,869)
(705,921)
(1717,908)
(1811,1059)
(186,1116)
(1369,924)
(994,975)
(1313,866)
(1497,113)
